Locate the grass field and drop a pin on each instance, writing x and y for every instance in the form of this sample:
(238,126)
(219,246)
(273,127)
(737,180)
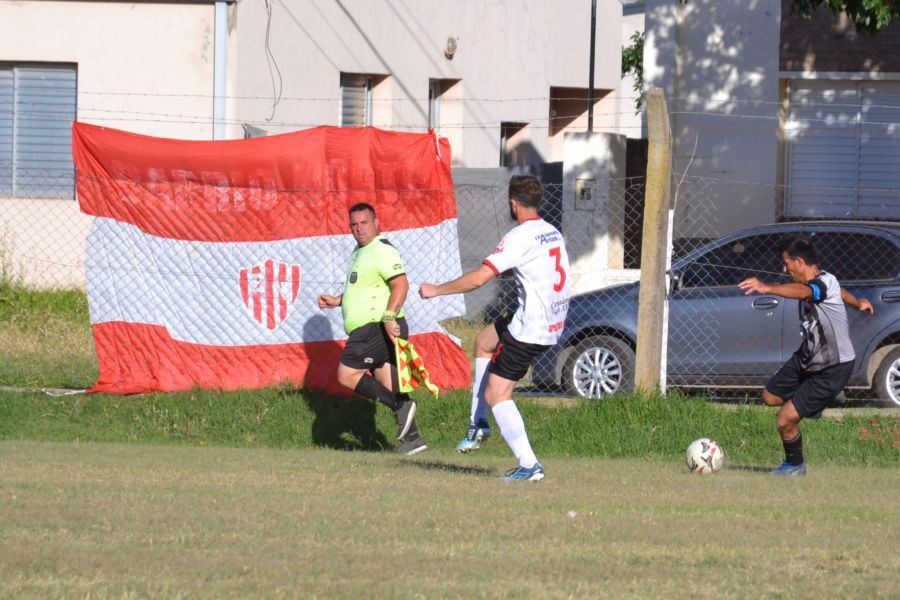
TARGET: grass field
(282,493)
(113,520)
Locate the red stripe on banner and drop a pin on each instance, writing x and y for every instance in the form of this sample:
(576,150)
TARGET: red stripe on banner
(295,281)
(282,301)
(245,292)
(257,299)
(262,189)
(137,358)
(270,295)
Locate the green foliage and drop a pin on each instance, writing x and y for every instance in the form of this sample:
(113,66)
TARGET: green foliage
(870,16)
(633,62)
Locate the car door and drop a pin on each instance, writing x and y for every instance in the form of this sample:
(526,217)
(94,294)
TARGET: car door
(717,334)
(866,263)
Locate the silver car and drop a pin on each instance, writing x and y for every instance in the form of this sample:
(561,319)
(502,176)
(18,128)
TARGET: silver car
(719,337)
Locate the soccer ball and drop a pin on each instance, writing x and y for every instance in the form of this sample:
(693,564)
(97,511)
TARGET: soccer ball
(704,456)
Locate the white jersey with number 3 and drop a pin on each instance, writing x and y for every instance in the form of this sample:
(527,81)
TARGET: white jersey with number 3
(536,253)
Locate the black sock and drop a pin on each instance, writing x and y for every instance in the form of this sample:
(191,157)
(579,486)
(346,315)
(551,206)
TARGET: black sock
(793,450)
(369,387)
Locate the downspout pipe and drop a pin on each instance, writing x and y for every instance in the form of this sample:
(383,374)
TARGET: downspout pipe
(220,70)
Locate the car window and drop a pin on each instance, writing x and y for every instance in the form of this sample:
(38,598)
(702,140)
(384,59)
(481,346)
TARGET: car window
(857,256)
(728,264)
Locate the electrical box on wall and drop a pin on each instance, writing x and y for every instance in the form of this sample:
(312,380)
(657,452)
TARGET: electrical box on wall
(584,194)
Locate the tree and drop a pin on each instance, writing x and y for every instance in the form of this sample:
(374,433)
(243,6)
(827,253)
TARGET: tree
(870,16)
(633,62)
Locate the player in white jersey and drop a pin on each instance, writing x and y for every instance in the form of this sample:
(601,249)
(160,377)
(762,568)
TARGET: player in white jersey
(535,252)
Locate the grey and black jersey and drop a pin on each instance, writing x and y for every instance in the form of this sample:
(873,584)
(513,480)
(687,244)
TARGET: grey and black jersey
(823,320)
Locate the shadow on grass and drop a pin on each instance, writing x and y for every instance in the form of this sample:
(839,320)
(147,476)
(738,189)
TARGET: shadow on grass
(433,465)
(345,424)
(749,468)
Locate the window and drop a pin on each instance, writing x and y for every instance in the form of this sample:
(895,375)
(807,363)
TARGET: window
(857,256)
(842,149)
(356,100)
(37,107)
(513,150)
(728,264)
(434,104)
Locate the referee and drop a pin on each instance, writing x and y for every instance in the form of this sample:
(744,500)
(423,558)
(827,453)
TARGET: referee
(372,307)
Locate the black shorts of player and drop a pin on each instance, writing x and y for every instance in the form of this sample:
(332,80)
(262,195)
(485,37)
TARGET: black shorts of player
(369,347)
(810,392)
(512,358)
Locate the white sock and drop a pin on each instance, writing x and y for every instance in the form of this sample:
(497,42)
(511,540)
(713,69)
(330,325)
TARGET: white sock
(512,428)
(479,405)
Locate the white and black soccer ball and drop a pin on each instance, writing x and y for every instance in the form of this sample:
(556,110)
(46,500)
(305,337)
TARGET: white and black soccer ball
(704,456)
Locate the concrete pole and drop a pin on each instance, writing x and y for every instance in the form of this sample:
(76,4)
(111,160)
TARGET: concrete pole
(651,308)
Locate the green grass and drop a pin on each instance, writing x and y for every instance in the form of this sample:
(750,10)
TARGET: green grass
(654,427)
(45,338)
(111,520)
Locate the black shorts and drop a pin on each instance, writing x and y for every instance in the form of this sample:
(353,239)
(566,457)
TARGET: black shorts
(512,358)
(369,347)
(810,392)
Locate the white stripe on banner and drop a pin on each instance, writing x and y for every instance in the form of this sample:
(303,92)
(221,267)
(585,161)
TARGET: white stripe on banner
(196,289)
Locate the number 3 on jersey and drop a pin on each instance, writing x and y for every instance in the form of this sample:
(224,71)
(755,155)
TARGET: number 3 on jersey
(556,253)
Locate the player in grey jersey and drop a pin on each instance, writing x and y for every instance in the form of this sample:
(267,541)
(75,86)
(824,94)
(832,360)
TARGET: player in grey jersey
(821,367)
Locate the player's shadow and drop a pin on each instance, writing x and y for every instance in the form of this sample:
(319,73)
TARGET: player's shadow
(449,468)
(344,423)
(339,422)
(749,468)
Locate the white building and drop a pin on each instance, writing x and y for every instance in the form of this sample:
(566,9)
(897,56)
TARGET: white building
(504,81)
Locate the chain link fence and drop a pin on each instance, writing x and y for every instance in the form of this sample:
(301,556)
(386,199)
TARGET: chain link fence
(716,336)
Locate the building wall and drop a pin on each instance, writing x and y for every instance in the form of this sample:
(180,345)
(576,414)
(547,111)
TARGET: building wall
(509,56)
(717,62)
(144,67)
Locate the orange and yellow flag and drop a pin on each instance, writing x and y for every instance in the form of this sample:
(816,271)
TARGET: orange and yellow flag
(411,368)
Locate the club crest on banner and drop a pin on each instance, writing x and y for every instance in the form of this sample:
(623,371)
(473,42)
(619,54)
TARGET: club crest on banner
(269,290)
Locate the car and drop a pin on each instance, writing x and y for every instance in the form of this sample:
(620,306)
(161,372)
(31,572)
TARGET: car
(718,337)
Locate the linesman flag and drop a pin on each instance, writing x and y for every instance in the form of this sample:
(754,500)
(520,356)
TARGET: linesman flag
(411,368)
(205,258)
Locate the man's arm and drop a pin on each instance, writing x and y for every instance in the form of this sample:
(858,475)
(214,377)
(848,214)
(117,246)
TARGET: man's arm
(329,301)
(399,288)
(465,283)
(860,304)
(795,291)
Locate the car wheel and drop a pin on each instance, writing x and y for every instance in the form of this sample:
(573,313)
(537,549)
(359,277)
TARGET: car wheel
(887,378)
(600,366)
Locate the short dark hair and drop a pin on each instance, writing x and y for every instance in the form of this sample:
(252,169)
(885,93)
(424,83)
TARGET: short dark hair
(361,206)
(798,246)
(527,190)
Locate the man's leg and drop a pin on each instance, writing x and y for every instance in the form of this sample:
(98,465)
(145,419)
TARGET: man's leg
(485,343)
(787,421)
(498,395)
(365,385)
(405,408)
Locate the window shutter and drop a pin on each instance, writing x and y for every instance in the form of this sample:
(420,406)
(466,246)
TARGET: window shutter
(356,110)
(823,156)
(879,156)
(44,108)
(6,131)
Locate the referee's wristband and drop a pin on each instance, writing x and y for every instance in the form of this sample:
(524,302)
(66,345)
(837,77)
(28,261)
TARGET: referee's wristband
(388,315)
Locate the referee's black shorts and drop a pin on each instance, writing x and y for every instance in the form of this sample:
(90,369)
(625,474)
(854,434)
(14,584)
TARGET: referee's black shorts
(369,346)
(512,358)
(810,392)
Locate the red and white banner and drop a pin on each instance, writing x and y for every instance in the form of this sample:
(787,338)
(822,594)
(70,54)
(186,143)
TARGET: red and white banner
(206,258)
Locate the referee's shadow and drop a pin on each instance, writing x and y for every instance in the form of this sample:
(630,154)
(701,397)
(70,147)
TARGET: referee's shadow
(340,421)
